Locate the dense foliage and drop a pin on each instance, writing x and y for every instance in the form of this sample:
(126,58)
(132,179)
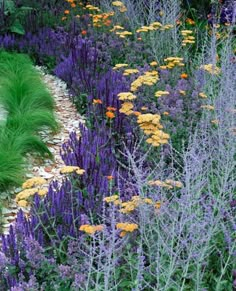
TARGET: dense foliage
(148,197)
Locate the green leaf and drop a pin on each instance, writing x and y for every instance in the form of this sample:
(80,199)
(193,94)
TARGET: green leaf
(9,7)
(17,27)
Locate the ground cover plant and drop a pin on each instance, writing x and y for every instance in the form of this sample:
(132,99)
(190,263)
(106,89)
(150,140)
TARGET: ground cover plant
(147,201)
(29,107)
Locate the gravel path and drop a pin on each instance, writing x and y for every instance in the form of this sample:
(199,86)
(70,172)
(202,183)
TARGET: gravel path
(69,120)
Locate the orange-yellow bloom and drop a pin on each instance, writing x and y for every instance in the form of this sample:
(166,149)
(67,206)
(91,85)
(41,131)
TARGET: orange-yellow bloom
(184,76)
(110,114)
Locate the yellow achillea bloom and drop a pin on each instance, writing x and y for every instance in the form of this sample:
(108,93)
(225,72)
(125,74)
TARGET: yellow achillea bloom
(173,62)
(116,27)
(123,34)
(123,9)
(208,107)
(118,66)
(26,193)
(215,121)
(160,184)
(174,183)
(111,199)
(126,108)
(91,229)
(42,192)
(72,169)
(128,227)
(150,124)
(161,93)
(92,8)
(182,92)
(126,96)
(158,205)
(148,201)
(149,79)
(153,64)
(36,181)
(128,72)
(169,184)
(202,95)
(23,203)
(210,68)
(117,3)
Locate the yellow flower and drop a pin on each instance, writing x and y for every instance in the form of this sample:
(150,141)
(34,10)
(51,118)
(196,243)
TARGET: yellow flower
(117,3)
(118,66)
(111,198)
(72,169)
(36,181)
(117,27)
(128,72)
(186,32)
(202,95)
(126,108)
(23,203)
(212,69)
(208,107)
(123,233)
(128,227)
(126,96)
(182,92)
(161,93)
(148,201)
(158,205)
(42,192)
(26,193)
(123,34)
(91,229)
(215,121)
(160,184)
(153,64)
(174,183)
(163,67)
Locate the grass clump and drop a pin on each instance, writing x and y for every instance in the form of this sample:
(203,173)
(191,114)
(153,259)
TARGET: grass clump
(29,108)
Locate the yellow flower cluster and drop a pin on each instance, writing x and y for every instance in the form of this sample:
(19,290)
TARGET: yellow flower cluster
(210,68)
(72,169)
(202,95)
(118,66)
(99,20)
(150,124)
(169,184)
(129,206)
(149,79)
(21,198)
(92,8)
(128,227)
(161,93)
(126,108)
(128,72)
(215,121)
(33,182)
(26,194)
(126,96)
(153,64)
(123,34)
(91,229)
(208,107)
(182,92)
(173,62)
(120,5)
(188,38)
(116,27)
(154,26)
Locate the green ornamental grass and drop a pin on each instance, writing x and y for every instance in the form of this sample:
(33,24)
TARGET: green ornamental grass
(29,108)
